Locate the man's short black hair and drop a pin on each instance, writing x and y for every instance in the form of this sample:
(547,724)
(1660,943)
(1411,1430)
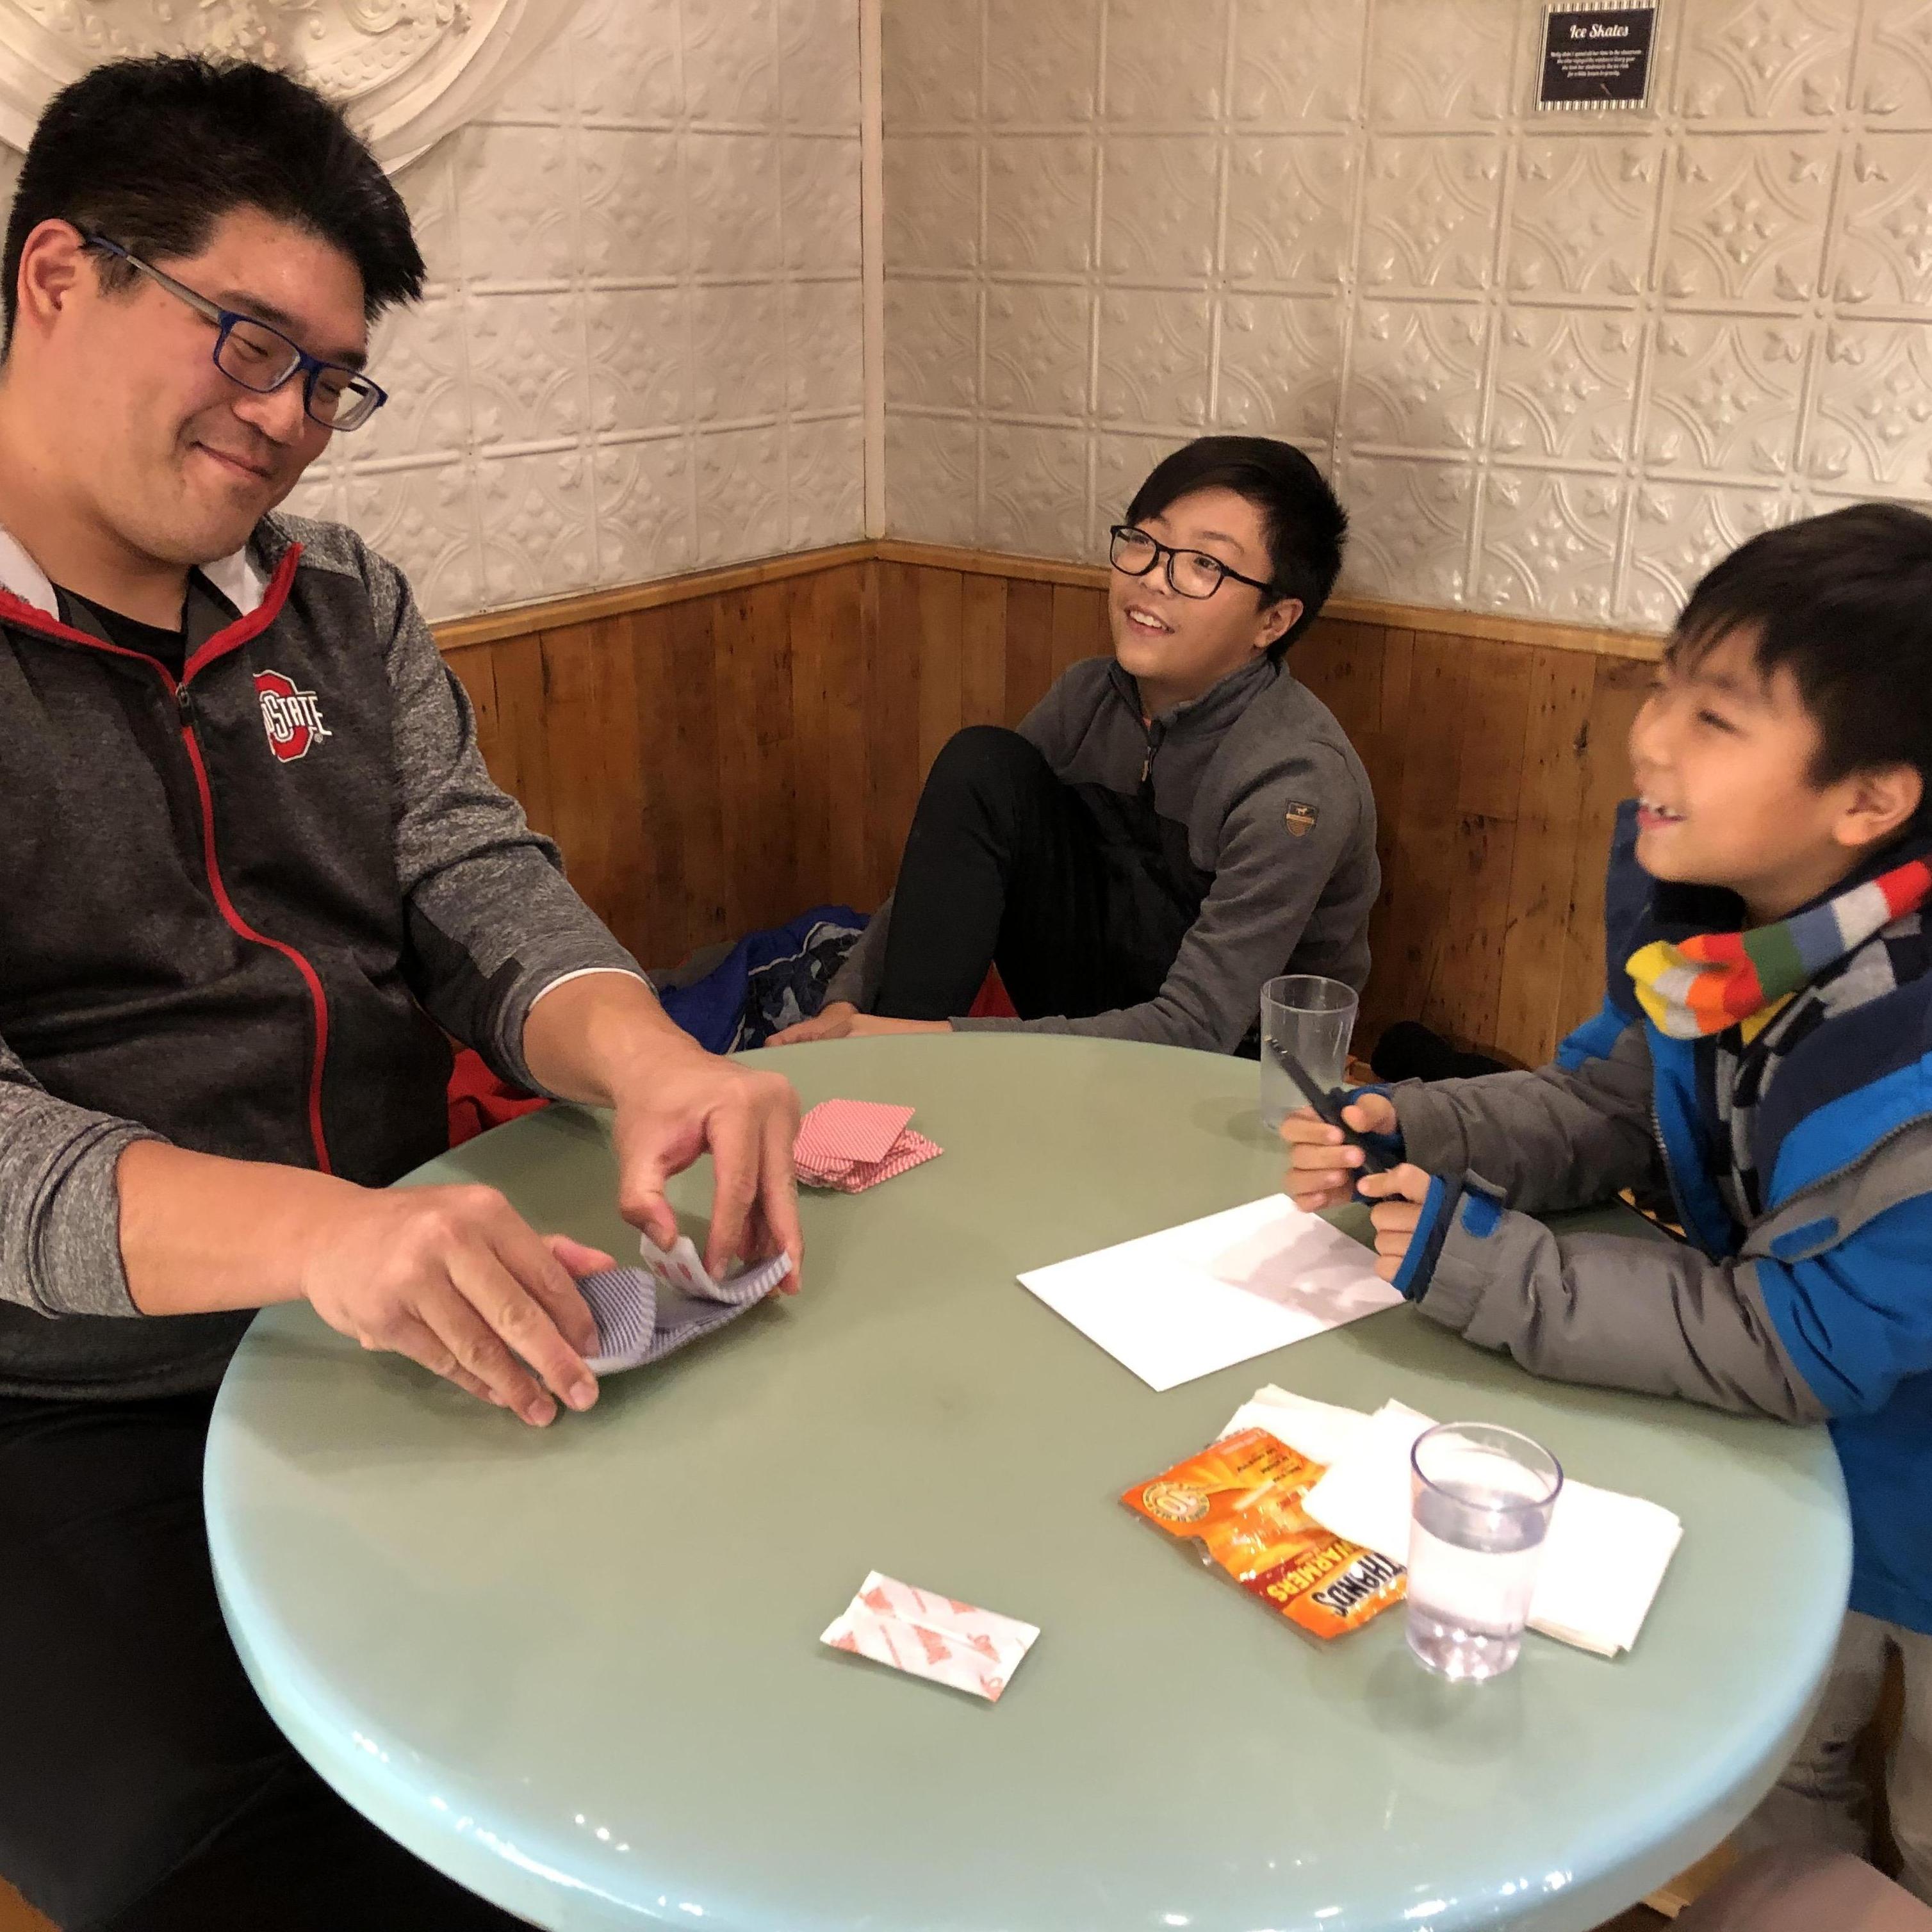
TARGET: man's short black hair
(1305,526)
(152,153)
(1844,602)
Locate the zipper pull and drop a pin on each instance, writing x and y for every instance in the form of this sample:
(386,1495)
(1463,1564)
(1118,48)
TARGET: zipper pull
(184,704)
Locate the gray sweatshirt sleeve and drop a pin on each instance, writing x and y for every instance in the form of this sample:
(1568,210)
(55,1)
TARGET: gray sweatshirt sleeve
(491,921)
(1554,1138)
(60,1208)
(1659,1317)
(1266,886)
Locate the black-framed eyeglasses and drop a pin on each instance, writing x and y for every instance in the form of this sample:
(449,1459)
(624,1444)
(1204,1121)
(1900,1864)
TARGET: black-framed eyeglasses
(1190,573)
(262,358)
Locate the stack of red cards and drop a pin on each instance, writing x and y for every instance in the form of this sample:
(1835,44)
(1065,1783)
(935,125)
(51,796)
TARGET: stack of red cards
(854,1144)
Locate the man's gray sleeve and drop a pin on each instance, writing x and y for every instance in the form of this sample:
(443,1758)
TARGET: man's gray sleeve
(1265,887)
(491,920)
(1552,1139)
(1618,1313)
(60,1208)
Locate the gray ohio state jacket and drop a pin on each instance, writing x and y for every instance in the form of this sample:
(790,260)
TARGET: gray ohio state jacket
(238,910)
(1259,786)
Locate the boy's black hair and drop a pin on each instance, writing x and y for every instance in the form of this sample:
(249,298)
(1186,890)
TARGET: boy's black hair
(152,153)
(1844,602)
(1304,524)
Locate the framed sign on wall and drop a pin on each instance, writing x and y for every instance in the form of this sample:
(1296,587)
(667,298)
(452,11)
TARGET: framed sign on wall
(1596,55)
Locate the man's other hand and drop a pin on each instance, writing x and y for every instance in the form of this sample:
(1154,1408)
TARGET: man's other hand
(455,1279)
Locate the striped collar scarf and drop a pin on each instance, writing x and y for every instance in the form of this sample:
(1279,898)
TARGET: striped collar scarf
(1711,981)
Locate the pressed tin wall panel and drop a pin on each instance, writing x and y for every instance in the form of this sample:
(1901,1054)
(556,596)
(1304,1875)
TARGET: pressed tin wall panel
(642,348)
(1556,363)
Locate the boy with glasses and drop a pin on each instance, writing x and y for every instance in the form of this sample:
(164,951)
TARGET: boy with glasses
(254,873)
(1168,828)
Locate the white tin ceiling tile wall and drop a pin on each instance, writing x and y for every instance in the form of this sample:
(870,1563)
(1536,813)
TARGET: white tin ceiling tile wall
(1556,363)
(643,350)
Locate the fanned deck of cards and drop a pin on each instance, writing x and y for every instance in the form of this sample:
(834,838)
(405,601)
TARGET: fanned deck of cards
(644,1314)
(854,1144)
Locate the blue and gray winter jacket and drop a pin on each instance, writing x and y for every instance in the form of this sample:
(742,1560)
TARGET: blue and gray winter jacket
(1820,1308)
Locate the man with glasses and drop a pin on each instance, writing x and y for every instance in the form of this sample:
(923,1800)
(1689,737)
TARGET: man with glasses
(253,873)
(1168,828)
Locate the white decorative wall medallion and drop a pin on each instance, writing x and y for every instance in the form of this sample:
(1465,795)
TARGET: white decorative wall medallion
(408,71)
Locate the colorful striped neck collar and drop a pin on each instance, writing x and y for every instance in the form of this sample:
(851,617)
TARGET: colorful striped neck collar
(1710,982)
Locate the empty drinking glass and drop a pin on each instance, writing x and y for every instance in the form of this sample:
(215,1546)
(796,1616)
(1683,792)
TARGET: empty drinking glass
(1311,1018)
(1481,1497)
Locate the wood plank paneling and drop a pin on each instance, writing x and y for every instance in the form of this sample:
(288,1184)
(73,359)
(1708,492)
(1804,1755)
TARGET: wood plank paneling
(1079,625)
(1616,690)
(982,650)
(894,671)
(757,781)
(1029,643)
(17,1915)
(1428,853)
(812,608)
(851,613)
(724,759)
(1530,1007)
(1468,977)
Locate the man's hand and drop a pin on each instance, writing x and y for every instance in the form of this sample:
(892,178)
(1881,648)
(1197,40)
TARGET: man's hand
(604,1040)
(1323,1168)
(455,1279)
(669,1114)
(452,1277)
(1402,1192)
(843,1020)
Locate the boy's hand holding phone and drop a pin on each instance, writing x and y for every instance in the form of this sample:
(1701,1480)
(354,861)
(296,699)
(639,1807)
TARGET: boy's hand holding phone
(1324,1168)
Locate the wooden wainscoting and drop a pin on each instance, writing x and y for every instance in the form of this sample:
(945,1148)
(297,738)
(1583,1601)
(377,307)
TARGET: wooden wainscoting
(17,1915)
(717,753)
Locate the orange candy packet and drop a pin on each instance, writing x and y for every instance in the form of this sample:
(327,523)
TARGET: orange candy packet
(1240,1500)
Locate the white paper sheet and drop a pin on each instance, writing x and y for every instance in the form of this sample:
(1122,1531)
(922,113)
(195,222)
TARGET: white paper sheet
(1190,1300)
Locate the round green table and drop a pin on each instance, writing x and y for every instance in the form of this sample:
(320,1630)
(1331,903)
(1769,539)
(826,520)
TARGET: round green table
(579,1670)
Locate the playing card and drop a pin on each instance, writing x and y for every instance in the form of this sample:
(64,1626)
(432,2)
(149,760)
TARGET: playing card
(910,1151)
(845,1132)
(854,1144)
(644,1314)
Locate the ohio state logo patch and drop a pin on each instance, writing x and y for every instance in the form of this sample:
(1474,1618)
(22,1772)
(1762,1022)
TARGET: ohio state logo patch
(291,718)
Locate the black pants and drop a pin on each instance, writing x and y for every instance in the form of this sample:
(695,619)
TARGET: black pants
(1080,896)
(143,1788)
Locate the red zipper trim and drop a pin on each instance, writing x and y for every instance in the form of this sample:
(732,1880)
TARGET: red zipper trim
(310,978)
(257,621)
(16,609)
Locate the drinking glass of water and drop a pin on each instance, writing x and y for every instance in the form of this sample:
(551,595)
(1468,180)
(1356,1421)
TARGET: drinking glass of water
(1311,1018)
(1481,1499)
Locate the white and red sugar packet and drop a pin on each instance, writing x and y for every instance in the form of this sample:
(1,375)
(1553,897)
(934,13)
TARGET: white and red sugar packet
(854,1144)
(927,1635)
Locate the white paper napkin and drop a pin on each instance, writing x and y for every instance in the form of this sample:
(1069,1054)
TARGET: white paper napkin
(1321,1431)
(1603,1561)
